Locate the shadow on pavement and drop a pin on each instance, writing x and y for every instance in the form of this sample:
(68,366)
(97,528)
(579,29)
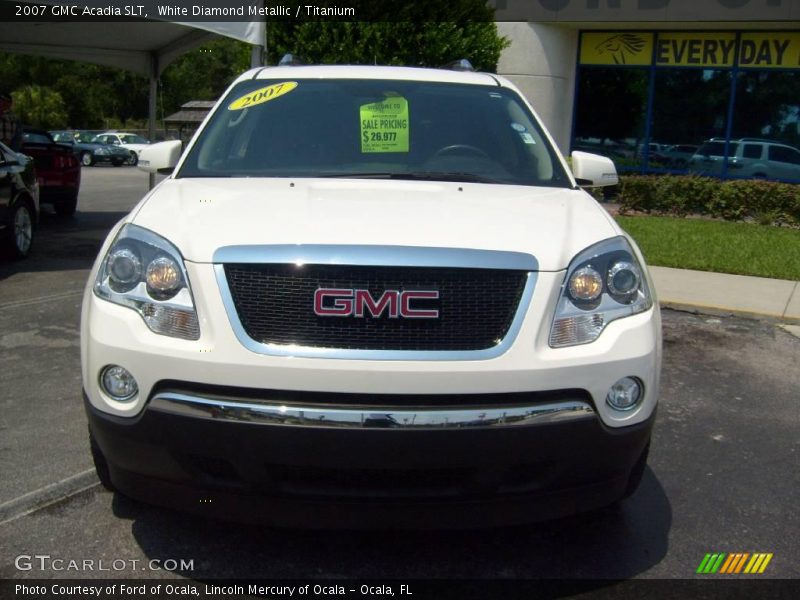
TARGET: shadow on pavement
(62,244)
(614,543)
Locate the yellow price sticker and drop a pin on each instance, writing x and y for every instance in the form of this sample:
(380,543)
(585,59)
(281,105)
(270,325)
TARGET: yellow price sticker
(384,125)
(262,95)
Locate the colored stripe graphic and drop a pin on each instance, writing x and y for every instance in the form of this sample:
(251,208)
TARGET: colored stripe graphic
(711,563)
(734,563)
(727,564)
(741,562)
(702,567)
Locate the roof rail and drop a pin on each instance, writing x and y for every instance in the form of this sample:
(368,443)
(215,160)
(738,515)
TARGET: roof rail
(753,139)
(462,64)
(290,60)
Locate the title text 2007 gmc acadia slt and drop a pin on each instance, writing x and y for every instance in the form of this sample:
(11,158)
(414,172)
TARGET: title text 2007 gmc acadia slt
(371,296)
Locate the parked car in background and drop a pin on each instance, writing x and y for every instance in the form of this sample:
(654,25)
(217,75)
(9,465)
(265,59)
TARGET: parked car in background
(747,157)
(19,202)
(89,150)
(653,149)
(58,170)
(130,141)
(678,156)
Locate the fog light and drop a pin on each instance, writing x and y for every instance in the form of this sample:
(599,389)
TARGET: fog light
(118,383)
(625,394)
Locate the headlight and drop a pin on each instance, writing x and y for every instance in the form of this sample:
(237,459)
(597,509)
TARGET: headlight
(145,272)
(603,283)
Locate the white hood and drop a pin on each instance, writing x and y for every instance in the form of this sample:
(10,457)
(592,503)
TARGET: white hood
(201,215)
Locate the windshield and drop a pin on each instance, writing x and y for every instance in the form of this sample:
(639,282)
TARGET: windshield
(374,129)
(130,138)
(36,138)
(717,149)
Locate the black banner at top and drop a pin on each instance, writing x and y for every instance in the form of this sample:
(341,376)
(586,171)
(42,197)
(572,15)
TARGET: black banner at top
(244,10)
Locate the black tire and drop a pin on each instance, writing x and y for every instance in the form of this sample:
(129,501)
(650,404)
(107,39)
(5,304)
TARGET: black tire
(100,464)
(18,239)
(134,159)
(66,208)
(87,160)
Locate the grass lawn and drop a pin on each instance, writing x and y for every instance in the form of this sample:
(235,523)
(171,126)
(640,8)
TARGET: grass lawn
(741,248)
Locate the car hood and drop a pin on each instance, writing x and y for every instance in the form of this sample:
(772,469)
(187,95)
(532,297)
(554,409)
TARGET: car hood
(200,216)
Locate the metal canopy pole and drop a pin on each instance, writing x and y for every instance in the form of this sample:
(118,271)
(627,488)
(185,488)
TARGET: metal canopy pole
(258,56)
(151,110)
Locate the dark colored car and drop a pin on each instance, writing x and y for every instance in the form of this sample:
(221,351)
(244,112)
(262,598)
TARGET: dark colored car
(90,150)
(57,170)
(19,202)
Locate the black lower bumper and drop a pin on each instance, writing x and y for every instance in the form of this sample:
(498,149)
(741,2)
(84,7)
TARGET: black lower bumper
(349,478)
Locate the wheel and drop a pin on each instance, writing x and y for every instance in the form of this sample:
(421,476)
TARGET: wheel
(133,159)
(66,208)
(461,149)
(87,160)
(100,464)
(20,231)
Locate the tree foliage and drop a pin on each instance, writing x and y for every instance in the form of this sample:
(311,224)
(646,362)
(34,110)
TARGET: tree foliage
(40,106)
(103,97)
(409,43)
(202,74)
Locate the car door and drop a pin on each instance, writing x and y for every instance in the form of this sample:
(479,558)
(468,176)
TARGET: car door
(784,162)
(9,172)
(6,186)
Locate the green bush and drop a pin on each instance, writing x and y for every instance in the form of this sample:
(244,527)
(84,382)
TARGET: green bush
(766,202)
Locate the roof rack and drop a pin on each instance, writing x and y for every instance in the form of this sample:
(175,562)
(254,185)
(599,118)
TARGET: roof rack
(462,64)
(290,60)
(753,139)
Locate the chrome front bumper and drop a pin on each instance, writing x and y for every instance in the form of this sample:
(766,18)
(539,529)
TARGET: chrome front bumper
(379,417)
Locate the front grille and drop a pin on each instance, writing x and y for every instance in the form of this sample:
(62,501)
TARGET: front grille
(275,304)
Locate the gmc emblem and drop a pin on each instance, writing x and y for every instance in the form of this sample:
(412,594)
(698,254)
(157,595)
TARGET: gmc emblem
(336,302)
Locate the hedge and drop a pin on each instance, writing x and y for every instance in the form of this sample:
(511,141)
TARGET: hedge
(767,202)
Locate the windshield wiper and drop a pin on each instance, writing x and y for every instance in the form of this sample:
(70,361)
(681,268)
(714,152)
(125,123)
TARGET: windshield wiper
(417,175)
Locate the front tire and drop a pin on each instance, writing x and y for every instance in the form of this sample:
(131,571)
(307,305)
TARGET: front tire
(19,237)
(133,160)
(87,160)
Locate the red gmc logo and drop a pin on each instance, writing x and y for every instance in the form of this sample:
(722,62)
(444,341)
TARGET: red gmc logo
(337,302)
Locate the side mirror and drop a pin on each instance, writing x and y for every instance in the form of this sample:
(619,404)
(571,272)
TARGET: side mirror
(593,170)
(161,157)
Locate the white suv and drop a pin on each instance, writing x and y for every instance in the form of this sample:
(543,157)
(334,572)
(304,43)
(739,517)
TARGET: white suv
(371,296)
(747,157)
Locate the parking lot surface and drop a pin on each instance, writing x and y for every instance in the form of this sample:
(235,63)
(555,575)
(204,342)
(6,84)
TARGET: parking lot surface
(722,475)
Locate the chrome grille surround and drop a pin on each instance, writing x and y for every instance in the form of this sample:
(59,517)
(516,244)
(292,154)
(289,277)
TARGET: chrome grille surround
(378,256)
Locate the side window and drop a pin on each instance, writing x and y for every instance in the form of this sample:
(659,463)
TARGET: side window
(784,154)
(751,151)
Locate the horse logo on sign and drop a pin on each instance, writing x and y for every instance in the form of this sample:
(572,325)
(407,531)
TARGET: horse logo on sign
(622,46)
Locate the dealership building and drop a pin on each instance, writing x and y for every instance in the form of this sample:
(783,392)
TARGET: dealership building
(647,82)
